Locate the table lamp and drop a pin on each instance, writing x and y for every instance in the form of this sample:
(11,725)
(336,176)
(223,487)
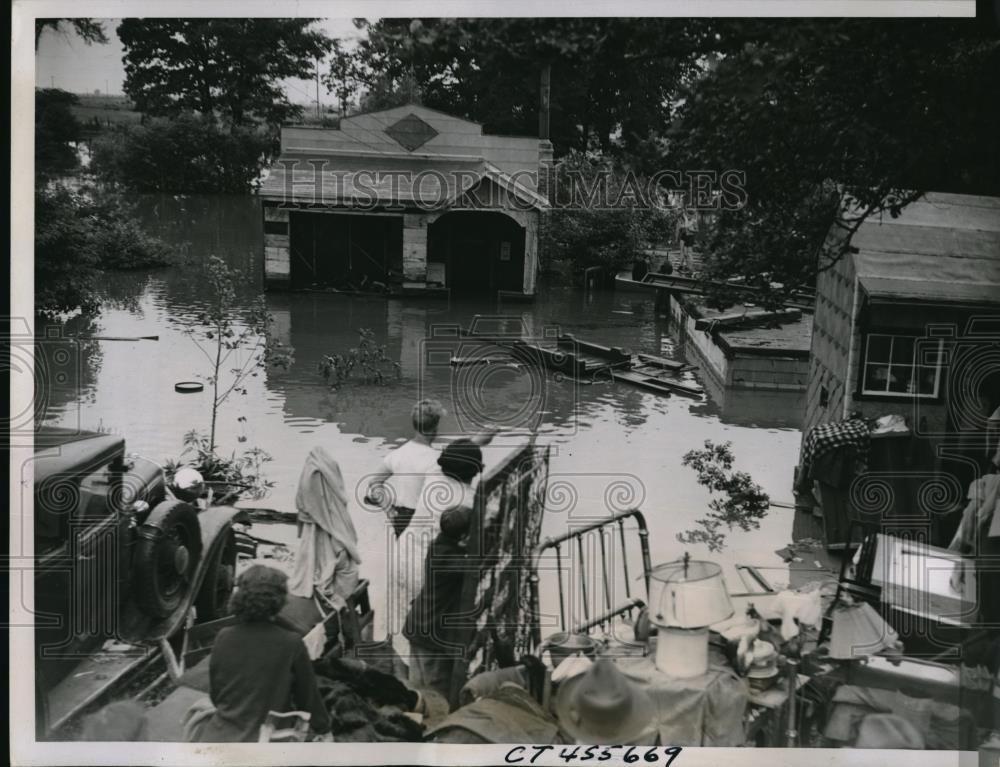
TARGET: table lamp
(686,597)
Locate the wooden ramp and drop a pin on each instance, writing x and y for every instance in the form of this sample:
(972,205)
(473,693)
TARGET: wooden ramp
(90,680)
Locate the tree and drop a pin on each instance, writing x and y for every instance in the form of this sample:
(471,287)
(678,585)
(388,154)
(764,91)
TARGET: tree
(185,154)
(814,113)
(227,69)
(90,30)
(386,92)
(603,214)
(56,129)
(833,122)
(343,79)
(740,502)
(488,70)
(238,346)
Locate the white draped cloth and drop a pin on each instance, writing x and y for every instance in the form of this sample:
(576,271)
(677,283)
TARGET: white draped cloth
(327,559)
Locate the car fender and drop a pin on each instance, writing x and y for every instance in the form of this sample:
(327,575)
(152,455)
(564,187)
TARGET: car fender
(216,522)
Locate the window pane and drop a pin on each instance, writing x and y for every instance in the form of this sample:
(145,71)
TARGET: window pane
(876,377)
(929,353)
(902,349)
(925,380)
(878,348)
(899,378)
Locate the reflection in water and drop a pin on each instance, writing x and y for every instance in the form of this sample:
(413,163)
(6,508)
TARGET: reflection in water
(604,436)
(66,367)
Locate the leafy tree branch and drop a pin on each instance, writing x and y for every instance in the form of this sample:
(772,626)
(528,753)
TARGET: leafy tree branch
(740,502)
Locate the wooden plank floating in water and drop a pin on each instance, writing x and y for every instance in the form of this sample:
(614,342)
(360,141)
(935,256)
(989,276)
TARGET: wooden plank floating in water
(654,380)
(115,338)
(664,363)
(587,360)
(493,361)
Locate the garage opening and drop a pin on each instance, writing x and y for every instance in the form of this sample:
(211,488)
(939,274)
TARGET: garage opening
(478,251)
(346,252)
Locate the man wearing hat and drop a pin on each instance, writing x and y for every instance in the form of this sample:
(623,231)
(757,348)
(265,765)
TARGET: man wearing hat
(602,706)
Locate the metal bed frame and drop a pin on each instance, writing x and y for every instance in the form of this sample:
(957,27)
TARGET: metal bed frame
(577,536)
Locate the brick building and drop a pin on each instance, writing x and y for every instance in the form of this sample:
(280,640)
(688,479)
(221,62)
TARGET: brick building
(407,198)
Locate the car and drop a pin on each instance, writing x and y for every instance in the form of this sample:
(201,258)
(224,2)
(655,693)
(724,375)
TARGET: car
(118,558)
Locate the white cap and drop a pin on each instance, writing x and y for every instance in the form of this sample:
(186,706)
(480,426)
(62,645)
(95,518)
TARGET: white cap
(189,481)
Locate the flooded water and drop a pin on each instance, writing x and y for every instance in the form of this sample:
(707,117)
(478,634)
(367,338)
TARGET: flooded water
(615,445)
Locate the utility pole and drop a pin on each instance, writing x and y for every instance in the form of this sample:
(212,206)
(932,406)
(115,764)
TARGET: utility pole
(543,102)
(317,88)
(545,151)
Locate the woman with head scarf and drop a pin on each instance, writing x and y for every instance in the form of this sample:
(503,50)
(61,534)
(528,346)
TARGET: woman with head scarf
(327,560)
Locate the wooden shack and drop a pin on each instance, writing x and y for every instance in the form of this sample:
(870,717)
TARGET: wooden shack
(405,200)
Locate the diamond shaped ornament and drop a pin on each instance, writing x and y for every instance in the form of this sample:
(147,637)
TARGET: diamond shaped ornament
(411,132)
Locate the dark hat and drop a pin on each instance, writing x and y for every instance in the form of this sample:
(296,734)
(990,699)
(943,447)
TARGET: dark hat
(461,459)
(603,706)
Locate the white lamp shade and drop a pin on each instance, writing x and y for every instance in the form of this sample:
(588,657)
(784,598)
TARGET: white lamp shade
(688,595)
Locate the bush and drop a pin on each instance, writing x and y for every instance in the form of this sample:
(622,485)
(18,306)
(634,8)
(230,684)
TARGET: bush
(187,154)
(369,357)
(76,238)
(66,265)
(238,476)
(609,231)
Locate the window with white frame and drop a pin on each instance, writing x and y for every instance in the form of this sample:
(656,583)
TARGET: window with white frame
(901,366)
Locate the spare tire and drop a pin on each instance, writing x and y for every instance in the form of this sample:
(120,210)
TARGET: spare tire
(166,557)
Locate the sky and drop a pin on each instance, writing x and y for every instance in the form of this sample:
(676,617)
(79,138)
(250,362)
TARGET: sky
(65,61)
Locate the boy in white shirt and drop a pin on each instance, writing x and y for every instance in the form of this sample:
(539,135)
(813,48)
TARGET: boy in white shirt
(397,487)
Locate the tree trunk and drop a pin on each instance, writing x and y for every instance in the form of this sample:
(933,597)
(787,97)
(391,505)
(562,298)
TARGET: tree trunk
(215,388)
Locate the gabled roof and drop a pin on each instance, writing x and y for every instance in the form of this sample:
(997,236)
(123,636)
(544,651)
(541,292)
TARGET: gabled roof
(942,248)
(358,181)
(413,136)
(389,116)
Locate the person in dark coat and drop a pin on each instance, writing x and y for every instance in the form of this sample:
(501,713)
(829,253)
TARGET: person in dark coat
(433,649)
(257,666)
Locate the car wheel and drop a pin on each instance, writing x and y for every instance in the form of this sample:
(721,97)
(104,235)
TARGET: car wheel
(213,598)
(166,557)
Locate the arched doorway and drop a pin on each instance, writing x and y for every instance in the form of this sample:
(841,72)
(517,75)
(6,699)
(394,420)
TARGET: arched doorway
(479,251)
